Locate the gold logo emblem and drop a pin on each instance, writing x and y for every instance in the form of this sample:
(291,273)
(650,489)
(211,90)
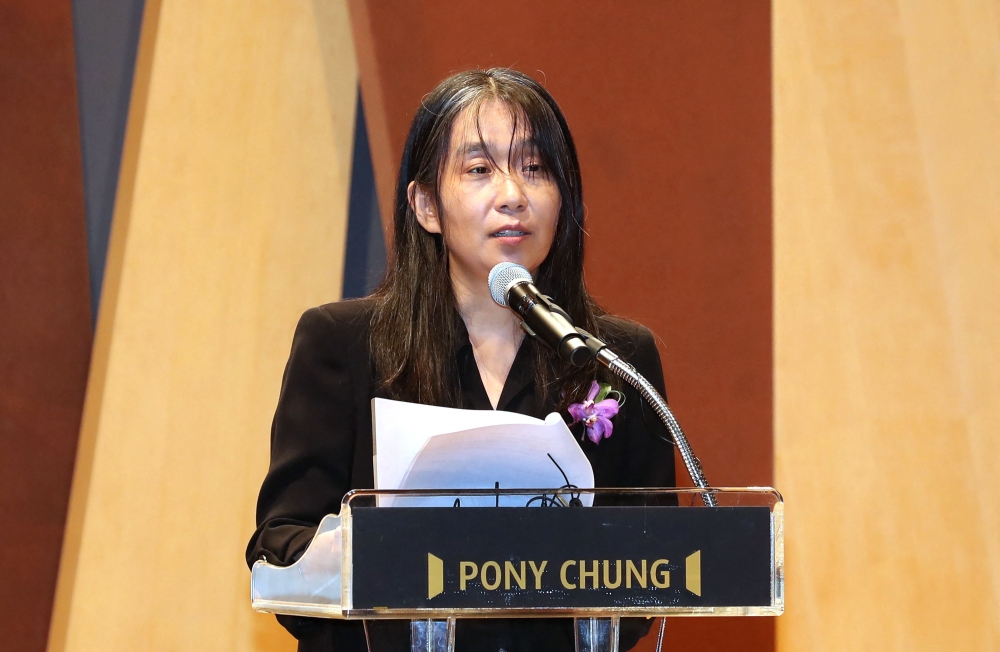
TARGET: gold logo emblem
(692,573)
(435,576)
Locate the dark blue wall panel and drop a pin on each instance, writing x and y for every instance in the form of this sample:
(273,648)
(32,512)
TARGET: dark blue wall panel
(364,261)
(107,36)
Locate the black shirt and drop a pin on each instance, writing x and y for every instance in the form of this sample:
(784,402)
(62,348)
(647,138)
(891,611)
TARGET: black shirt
(321,447)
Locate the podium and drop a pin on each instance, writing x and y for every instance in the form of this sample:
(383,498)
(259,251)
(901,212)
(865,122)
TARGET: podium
(595,555)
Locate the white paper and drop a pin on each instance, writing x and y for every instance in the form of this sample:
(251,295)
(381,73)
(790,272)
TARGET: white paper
(426,447)
(401,429)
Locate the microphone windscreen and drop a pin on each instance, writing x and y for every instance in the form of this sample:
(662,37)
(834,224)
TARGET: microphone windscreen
(502,276)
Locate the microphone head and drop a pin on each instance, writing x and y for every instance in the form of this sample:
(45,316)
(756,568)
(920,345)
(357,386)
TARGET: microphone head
(503,276)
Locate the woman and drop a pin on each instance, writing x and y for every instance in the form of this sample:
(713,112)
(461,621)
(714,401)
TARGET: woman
(489,173)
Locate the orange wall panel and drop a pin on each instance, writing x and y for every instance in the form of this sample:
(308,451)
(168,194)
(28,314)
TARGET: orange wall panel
(45,322)
(670,107)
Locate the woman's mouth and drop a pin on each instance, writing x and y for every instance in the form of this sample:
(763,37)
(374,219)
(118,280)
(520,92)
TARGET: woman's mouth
(509,233)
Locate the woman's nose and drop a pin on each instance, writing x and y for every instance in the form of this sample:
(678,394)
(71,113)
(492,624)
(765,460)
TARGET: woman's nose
(510,195)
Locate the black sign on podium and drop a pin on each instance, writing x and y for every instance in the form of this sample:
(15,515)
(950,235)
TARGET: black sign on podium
(599,557)
(634,552)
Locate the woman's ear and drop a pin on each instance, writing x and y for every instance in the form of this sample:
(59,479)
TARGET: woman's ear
(424,207)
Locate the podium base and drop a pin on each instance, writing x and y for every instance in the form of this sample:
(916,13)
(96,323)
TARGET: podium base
(597,634)
(590,635)
(432,635)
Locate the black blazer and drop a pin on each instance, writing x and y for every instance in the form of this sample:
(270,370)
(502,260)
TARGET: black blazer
(321,447)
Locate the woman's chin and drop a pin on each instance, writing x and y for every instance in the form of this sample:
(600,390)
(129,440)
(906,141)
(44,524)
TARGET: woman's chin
(520,255)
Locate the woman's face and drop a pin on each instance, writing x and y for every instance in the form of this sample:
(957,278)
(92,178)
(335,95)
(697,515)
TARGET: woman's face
(490,212)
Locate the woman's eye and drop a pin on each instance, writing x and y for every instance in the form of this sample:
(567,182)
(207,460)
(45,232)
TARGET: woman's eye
(533,168)
(479,169)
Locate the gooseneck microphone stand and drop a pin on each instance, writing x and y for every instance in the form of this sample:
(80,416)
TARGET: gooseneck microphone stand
(511,286)
(628,373)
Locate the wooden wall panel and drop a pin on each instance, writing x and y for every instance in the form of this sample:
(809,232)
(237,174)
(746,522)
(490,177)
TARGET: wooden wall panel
(45,320)
(230,222)
(887,345)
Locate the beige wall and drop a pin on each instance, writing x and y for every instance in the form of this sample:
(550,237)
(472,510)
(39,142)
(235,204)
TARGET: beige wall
(887,293)
(231,221)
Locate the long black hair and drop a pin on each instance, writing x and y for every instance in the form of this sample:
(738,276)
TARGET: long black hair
(415,328)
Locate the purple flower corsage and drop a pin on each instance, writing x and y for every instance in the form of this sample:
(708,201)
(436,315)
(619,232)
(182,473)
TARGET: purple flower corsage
(596,412)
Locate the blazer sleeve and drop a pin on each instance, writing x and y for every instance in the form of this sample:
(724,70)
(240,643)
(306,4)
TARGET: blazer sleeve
(312,448)
(312,441)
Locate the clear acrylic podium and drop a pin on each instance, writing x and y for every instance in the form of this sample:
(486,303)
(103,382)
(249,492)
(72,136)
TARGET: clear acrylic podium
(596,555)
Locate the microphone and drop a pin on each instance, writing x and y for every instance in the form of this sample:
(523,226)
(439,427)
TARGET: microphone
(511,285)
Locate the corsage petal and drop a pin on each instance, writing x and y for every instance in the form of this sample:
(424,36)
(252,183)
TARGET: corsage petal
(596,432)
(577,411)
(605,426)
(607,408)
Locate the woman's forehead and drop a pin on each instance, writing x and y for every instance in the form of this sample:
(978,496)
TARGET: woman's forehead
(493,123)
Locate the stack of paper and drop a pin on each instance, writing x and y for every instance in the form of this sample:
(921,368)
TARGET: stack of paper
(426,447)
